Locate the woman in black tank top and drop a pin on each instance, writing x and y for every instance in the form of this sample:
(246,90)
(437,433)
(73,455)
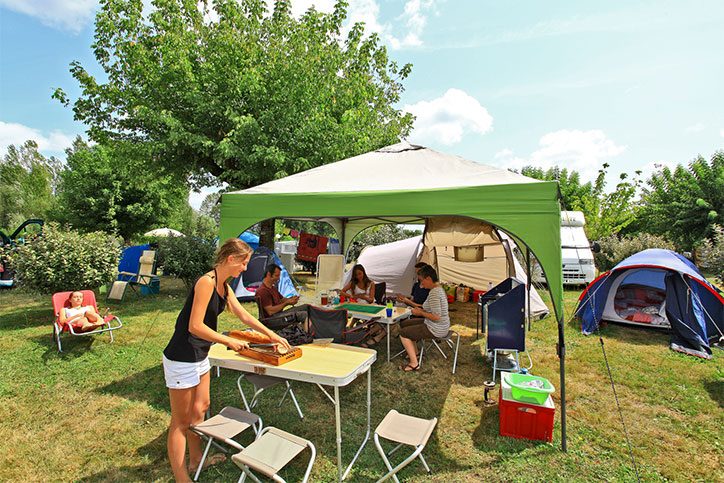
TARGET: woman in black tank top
(194,334)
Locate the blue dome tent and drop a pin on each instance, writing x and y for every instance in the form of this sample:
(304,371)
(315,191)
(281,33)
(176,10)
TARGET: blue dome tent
(657,288)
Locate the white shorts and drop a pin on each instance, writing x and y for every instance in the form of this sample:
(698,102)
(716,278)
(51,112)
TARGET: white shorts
(183,375)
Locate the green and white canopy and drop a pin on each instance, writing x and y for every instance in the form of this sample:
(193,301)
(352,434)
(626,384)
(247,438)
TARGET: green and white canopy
(404,183)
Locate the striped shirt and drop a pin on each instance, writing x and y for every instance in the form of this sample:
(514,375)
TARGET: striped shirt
(436,303)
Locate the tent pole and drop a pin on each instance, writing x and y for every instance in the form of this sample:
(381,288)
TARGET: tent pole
(562,357)
(528,285)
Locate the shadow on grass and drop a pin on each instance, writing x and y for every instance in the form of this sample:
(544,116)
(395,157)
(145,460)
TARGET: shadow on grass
(145,386)
(156,465)
(715,388)
(631,334)
(25,318)
(73,346)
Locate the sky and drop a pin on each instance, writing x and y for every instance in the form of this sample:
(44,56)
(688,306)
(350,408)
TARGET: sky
(635,84)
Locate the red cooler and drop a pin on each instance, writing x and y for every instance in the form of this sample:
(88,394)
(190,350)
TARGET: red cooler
(526,421)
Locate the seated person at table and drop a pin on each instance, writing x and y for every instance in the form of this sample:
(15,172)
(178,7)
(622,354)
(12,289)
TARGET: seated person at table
(429,322)
(419,294)
(272,302)
(360,287)
(83,318)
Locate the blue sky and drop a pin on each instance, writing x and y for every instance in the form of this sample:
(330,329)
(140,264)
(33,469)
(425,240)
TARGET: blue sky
(566,83)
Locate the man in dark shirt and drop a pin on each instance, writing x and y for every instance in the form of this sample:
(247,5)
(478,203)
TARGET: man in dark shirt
(419,294)
(272,303)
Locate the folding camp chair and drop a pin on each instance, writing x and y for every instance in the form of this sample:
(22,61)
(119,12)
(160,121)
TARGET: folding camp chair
(61,300)
(380,289)
(330,272)
(332,323)
(145,277)
(271,452)
(262,382)
(223,428)
(407,430)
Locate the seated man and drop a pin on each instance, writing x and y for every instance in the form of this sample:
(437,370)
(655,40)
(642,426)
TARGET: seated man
(272,303)
(419,294)
(429,322)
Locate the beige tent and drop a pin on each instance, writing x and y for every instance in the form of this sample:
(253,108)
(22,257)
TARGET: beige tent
(393,263)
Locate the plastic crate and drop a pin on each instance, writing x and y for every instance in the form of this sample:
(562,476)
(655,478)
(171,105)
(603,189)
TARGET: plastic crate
(525,421)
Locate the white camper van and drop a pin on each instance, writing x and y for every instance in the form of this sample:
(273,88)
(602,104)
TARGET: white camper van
(576,254)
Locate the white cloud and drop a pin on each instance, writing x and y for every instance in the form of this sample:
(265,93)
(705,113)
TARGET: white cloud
(405,31)
(17,134)
(582,151)
(698,127)
(71,15)
(447,118)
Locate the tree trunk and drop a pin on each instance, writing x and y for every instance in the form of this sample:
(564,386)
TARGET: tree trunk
(266,237)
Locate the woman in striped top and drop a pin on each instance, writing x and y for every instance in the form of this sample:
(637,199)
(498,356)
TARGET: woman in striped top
(429,322)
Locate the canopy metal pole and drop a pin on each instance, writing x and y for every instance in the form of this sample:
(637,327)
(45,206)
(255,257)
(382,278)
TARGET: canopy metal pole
(562,358)
(527,274)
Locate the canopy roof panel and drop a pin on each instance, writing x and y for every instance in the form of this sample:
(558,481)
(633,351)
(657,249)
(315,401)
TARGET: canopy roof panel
(400,166)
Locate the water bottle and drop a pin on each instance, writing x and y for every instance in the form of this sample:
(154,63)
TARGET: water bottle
(490,286)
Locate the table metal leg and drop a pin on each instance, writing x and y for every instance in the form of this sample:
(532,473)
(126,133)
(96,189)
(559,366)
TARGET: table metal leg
(388,342)
(339,431)
(369,424)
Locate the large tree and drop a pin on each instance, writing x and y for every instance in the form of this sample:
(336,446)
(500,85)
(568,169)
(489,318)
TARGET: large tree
(684,204)
(606,213)
(106,188)
(28,183)
(224,91)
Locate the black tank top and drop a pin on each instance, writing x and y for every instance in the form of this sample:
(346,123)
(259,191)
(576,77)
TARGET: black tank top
(186,347)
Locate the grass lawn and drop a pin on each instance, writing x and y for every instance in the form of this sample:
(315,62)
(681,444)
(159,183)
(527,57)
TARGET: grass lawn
(99,411)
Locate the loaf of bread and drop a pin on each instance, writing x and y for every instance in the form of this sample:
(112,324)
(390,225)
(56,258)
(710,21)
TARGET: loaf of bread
(250,336)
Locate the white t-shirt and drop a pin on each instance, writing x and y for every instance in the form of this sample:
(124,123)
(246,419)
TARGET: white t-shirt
(359,291)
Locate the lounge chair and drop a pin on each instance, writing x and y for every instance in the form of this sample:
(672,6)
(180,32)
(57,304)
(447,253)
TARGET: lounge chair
(145,277)
(60,300)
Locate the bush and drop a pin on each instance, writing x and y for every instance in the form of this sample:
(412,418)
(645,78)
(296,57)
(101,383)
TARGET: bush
(62,259)
(712,253)
(615,249)
(186,257)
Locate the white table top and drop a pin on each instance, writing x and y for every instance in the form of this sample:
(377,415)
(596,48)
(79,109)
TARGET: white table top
(334,365)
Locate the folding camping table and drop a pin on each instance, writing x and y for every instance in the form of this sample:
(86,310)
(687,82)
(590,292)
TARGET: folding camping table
(335,365)
(369,311)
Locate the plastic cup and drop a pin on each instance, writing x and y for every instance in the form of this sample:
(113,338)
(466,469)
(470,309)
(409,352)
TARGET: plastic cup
(325,300)
(342,298)
(336,300)
(389,311)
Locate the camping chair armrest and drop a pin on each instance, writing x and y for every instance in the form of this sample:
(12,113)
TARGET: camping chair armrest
(364,325)
(127,273)
(108,318)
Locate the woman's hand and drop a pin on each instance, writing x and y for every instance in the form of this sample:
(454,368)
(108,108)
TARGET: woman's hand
(236,344)
(416,311)
(281,341)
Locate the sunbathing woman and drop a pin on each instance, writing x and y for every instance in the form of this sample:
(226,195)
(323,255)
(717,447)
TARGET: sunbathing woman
(185,359)
(82,318)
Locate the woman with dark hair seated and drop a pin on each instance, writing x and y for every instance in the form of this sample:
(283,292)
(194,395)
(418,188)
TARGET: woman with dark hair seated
(429,322)
(360,288)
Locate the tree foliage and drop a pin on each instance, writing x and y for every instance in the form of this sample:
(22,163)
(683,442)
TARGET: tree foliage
(685,204)
(244,99)
(606,213)
(378,235)
(186,257)
(28,184)
(713,252)
(106,188)
(615,249)
(63,259)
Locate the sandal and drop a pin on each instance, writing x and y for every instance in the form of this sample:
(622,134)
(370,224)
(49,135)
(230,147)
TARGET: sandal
(409,368)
